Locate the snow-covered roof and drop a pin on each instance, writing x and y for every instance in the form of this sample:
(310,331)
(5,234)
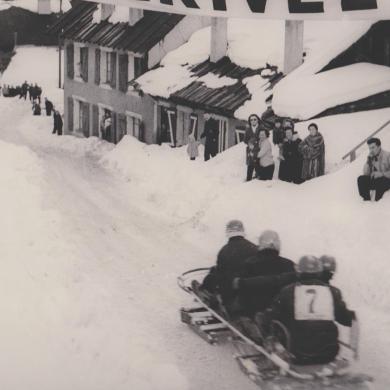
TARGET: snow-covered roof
(253,44)
(318,92)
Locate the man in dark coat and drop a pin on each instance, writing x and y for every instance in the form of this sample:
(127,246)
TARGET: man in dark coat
(58,123)
(36,108)
(210,133)
(23,90)
(48,106)
(266,262)
(278,132)
(230,261)
(309,309)
(290,159)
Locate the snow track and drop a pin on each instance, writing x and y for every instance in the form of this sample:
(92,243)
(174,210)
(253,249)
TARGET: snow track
(112,321)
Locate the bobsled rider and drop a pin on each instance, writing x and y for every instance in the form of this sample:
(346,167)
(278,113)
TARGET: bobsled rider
(265,263)
(329,268)
(230,261)
(309,310)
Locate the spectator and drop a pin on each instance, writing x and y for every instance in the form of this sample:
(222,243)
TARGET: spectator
(253,129)
(278,132)
(313,152)
(290,159)
(48,106)
(266,165)
(376,172)
(23,90)
(210,133)
(192,148)
(58,123)
(36,108)
(252,160)
(31,92)
(38,91)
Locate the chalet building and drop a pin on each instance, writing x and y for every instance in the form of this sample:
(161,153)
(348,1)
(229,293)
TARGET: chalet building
(102,60)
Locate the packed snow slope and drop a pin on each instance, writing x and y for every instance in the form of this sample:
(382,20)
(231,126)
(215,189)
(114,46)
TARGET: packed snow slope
(93,237)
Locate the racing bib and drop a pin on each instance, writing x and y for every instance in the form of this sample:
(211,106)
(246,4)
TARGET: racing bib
(313,303)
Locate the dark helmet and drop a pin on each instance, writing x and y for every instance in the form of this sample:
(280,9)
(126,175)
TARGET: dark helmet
(328,263)
(234,228)
(309,265)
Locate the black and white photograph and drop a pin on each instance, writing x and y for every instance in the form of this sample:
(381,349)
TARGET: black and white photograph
(195,194)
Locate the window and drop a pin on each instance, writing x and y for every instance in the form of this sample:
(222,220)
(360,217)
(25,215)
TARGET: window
(140,66)
(194,125)
(108,68)
(240,135)
(106,130)
(81,63)
(133,125)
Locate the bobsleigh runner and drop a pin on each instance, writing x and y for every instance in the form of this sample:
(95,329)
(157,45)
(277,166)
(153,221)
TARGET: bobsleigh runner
(268,364)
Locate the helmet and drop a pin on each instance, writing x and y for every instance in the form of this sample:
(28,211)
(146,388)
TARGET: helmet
(328,263)
(234,228)
(269,240)
(309,265)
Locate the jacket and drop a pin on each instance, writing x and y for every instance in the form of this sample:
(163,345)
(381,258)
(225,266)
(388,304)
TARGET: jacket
(230,262)
(266,262)
(210,133)
(309,310)
(265,154)
(251,133)
(379,164)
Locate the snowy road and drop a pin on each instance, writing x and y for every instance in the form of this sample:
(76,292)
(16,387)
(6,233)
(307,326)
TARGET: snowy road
(118,324)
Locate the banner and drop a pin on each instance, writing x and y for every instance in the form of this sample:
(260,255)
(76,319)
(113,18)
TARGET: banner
(269,9)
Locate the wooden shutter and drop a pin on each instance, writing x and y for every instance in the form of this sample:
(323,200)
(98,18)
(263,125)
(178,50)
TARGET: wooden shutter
(122,124)
(113,70)
(84,63)
(95,120)
(123,72)
(70,114)
(85,124)
(70,60)
(97,66)
(114,136)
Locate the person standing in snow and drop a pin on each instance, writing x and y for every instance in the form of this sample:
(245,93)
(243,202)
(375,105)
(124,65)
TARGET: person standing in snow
(290,159)
(253,129)
(266,165)
(376,171)
(36,108)
(278,132)
(252,160)
(309,309)
(23,90)
(58,123)
(230,260)
(193,146)
(48,106)
(210,133)
(313,152)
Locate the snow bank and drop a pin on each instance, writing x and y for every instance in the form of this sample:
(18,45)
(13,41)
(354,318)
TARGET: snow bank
(32,5)
(36,65)
(328,89)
